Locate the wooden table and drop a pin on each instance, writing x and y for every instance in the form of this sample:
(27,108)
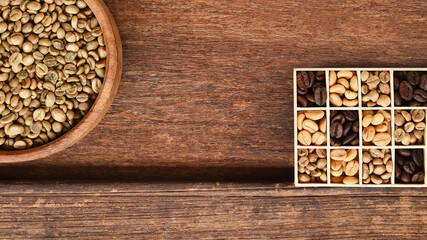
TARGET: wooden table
(198,143)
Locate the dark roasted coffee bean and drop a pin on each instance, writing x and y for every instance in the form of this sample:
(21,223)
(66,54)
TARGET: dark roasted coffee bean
(333,113)
(347,140)
(335,142)
(397,172)
(404,152)
(423,82)
(405,177)
(347,128)
(409,167)
(398,101)
(310,97)
(302,91)
(355,126)
(320,76)
(302,101)
(413,78)
(351,115)
(338,118)
(312,79)
(418,158)
(320,94)
(406,91)
(355,142)
(399,160)
(396,83)
(303,81)
(418,177)
(336,130)
(414,103)
(420,95)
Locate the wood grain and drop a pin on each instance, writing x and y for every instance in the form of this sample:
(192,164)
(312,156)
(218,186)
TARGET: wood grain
(208,211)
(207,84)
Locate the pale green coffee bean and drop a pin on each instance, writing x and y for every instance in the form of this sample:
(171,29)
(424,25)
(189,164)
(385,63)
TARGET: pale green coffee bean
(16,39)
(28,60)
(58,115)
(15,15)
(39,114)
(57,127)
(41,69)
(72,9)
(50,99)
(15,58)
(25,93)
(3,26)
(20,145)
(34,6)
(8,118)
(4,77)
(15,129)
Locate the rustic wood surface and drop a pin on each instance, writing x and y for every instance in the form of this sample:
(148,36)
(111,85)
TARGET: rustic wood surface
(206,95)
(208,211)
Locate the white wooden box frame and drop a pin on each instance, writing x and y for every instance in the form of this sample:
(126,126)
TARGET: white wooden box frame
(360,148)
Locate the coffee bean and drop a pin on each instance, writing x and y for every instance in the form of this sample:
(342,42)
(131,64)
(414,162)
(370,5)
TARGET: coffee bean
(418,158)
(406,91)
(410,166)
(404,152)
(405,177)
(344,128)
(420,95)
(413,78)
(418,177)
(410,88)
(311,89)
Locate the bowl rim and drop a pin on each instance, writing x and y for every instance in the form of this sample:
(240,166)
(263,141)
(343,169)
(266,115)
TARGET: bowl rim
(114,65)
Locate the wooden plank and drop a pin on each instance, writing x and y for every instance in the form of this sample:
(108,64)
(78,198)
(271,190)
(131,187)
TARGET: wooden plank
(207,211)
(208,83)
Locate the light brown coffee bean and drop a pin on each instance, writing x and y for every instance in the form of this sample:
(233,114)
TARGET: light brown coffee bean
(352,168)
(337,173)
(376,180)
(304,137)
(303,161)
(310,126)
(303,178)
(368,133)
(386,175)
(377,119)
(322,125)
(300,119)
(315,115)
(389,166)
(335,100)
(318,138)
(338,89)
(381,139)
(409,127)
(418,115)
(321,163)
(58,115)
(351,154)
(336,165)
(350,180)
(345,74)
(332,78)
(338,154)
(367,120)
(380,169)
(366,158)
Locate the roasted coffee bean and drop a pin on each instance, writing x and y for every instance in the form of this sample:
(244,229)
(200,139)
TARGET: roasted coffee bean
(348,139)
(418,158)
(409,166)
(319,94)
(418,177)
(303,80)
(344,128)
(410,88)
(311,89)
(405,177)
(336,130)
(413,78)
(302,101)
(351,115)
(406,91)
(420,95)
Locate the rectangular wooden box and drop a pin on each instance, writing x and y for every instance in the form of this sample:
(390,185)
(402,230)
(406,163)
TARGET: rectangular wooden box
(360,148)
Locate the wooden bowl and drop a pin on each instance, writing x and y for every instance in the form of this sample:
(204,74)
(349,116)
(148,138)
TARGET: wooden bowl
(102,103)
